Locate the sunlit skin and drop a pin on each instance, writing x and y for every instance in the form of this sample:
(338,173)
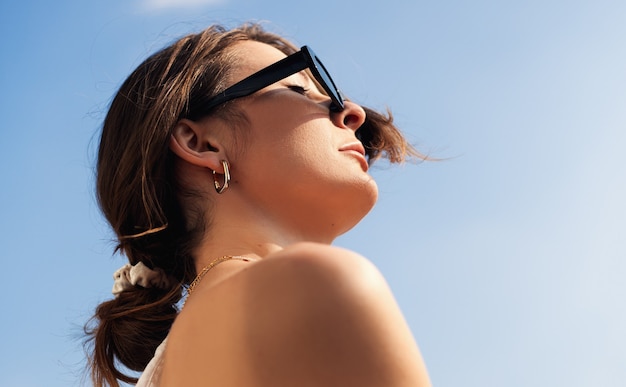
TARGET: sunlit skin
(305,313)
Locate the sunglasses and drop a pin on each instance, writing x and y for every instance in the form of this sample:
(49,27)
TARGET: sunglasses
(301,60)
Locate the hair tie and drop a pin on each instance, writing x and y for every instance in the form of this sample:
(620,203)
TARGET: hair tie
(128,276)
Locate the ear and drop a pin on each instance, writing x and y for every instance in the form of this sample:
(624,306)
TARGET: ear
(192,142)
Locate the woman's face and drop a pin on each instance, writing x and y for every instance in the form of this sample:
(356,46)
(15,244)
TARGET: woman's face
(301,163)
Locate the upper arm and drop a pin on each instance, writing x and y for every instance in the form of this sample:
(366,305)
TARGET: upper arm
(326,316)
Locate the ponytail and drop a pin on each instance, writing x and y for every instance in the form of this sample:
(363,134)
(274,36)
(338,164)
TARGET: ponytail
(128,329)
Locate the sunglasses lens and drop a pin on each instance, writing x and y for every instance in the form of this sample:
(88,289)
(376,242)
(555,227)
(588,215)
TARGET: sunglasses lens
(329,83)
(324,78)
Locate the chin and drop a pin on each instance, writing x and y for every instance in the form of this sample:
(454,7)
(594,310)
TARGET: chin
(370,194)
(358,209)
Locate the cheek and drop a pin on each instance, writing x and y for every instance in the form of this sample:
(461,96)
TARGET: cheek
(293,143)
(304,145)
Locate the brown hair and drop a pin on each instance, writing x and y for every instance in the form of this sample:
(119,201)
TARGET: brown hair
(140,196)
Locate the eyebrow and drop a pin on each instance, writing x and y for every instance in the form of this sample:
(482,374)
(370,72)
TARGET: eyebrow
(304,76)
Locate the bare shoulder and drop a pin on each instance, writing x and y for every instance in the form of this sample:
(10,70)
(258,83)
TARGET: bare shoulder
(332,315)
(308,315)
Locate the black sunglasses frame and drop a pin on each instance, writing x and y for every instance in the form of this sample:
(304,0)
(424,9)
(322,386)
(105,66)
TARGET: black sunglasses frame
(301,60)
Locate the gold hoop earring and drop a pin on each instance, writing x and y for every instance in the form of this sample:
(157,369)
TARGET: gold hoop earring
(224,186)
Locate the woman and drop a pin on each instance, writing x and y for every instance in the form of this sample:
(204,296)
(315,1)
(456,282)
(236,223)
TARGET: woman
(228,163)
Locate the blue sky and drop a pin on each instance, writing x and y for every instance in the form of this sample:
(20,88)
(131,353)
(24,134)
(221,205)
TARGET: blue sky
(508,259)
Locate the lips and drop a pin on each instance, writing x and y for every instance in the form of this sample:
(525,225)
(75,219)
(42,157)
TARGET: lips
(356,149)
(355,146)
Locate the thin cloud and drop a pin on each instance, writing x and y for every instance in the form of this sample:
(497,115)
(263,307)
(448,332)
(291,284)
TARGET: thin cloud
(169,4)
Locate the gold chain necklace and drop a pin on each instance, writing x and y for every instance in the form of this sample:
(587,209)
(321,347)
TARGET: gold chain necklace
(208,267)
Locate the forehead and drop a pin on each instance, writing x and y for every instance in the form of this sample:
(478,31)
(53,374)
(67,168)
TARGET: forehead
(251,56)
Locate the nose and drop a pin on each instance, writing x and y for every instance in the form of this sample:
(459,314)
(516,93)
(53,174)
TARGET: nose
(351,117)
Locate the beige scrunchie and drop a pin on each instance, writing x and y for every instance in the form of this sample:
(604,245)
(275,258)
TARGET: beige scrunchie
(129,276)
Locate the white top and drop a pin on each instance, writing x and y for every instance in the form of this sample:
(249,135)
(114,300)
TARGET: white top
(151,375)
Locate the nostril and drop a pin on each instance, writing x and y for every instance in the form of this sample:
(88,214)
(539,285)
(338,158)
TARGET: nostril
(350,119)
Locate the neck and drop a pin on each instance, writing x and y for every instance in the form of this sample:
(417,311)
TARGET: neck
(237,229)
